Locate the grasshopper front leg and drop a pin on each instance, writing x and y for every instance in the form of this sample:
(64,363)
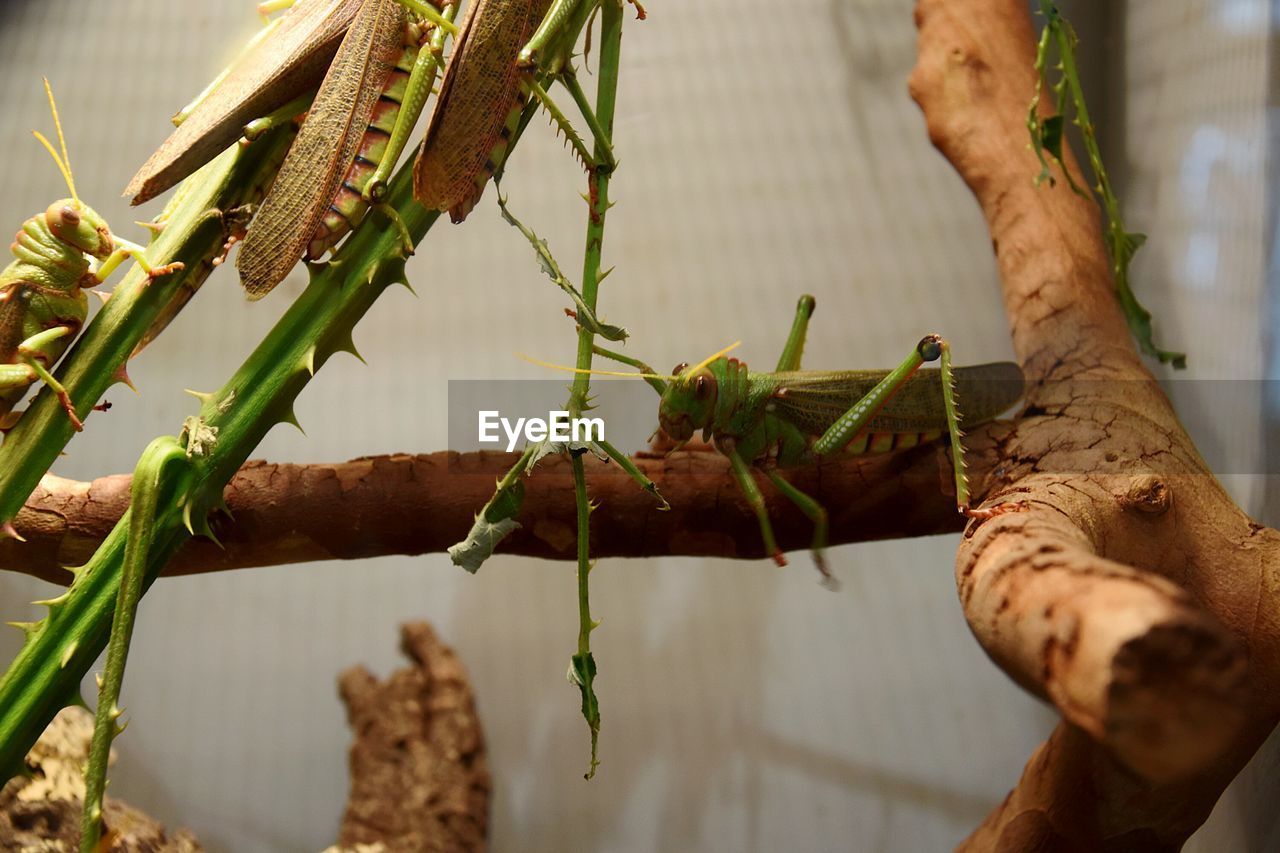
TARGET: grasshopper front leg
(33,352)
(126,249)
(742,473)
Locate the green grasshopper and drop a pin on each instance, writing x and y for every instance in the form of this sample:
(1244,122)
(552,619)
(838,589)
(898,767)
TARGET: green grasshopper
(359,121)
(500,48)
(42,299)
(791,417)
(376,78)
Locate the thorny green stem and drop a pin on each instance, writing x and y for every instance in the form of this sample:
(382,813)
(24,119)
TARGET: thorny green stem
(569,79)
(1121,243)
(145,493)
(46,673)
(582,666)
(193,234)
(598,200)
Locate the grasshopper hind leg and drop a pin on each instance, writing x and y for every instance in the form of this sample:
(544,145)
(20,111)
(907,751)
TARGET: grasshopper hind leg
(793,351)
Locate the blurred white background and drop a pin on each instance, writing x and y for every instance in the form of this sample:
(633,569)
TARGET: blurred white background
(764,153)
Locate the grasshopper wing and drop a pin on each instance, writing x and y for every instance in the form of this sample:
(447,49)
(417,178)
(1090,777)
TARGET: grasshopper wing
(470,127)
(325,147)
(274,72)
(814,400)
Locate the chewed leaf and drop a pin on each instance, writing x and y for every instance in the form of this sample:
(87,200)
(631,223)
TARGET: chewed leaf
(480,543)
(585,315)
(582,674)
(541,450)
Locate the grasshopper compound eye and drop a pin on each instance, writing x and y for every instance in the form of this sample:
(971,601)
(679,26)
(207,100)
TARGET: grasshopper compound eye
(930,347)
(704,386)
(680,368)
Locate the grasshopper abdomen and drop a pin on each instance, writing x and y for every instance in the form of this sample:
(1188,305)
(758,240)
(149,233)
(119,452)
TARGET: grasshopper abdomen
(349,206)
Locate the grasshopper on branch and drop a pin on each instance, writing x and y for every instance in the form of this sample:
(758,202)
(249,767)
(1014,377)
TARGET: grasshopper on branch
(769,421)
(42,299)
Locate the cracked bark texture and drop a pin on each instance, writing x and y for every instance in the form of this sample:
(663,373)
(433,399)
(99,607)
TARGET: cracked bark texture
(1133,595)
(407,504)
(419,776)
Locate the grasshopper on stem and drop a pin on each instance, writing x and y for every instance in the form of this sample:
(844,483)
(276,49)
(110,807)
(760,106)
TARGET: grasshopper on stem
(42,300)
(502,49)
(378,60)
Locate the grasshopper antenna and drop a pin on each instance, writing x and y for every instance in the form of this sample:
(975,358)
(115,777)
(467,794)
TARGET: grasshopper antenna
(629,374)
(730,348)
(626,374)
(63,162)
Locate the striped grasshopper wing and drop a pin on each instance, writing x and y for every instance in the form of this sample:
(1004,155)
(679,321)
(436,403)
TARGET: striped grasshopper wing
(480,100)
(273,72)
(325,148)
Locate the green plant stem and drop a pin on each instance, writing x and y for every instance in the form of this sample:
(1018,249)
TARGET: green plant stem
(60,649)
(145,490)
(598,200)
(193,233)
(1121,243)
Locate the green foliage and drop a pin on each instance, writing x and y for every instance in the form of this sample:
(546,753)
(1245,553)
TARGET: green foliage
(1059,38)
(48,669)
(583,313)
(582,674)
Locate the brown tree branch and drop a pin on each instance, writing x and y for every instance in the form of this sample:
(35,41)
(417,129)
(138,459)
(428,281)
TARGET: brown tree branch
(1134,594)
(420,504)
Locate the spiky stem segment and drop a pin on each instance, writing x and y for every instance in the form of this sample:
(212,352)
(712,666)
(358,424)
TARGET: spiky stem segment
(582,666)
(598,200)
(1047,136)
(232,421)
(146,491)
(193,234)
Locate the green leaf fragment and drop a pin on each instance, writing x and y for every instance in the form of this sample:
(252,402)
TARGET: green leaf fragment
(582,674)
(480,543)
(505,503)
(1047,136)
(541,450)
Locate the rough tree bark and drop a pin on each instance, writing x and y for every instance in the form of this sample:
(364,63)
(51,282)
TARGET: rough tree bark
(418,504)
(1134,594)
(419,777)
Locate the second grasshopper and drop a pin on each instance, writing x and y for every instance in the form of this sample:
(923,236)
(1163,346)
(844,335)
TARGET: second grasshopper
(770,421)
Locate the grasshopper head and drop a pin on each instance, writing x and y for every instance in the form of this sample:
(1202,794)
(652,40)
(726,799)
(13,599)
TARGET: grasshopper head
(689,402)
(76,224)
